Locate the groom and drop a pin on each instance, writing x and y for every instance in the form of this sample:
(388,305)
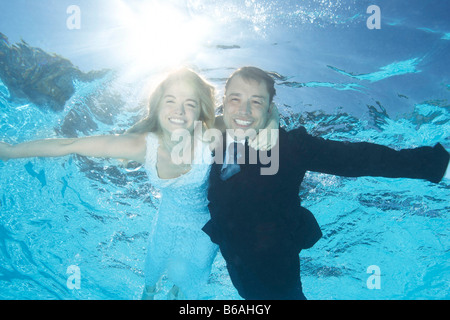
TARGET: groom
(256,218)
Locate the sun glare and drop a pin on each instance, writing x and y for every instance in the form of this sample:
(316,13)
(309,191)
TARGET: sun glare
(155,34)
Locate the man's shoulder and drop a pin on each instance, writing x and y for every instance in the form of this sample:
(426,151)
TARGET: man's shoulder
(293,134)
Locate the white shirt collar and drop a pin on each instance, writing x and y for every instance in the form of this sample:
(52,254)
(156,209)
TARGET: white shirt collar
(230,140)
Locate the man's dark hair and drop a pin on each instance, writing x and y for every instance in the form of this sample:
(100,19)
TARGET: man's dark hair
(256,74)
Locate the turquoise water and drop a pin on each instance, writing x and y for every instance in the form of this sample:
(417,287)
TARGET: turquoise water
(334,76)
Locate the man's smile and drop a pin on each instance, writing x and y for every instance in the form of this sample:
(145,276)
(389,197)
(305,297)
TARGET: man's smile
(243,123)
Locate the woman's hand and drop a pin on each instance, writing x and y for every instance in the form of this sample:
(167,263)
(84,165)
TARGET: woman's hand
(5,151)
(267,137)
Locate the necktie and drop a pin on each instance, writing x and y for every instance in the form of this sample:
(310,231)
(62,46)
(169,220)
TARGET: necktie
(231,165)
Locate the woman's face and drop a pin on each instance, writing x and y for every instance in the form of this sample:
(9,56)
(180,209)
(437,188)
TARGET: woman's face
(179,108)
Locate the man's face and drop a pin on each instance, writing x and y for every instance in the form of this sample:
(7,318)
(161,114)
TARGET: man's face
(246,105)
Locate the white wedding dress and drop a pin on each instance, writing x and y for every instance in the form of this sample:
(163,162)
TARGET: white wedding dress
(178,248)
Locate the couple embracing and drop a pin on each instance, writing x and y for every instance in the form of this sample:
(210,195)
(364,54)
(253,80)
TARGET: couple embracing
(237,192)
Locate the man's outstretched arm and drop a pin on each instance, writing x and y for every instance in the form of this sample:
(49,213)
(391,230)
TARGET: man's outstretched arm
(358,159)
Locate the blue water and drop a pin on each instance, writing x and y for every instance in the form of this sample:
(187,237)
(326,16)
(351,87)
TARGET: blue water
(335,77)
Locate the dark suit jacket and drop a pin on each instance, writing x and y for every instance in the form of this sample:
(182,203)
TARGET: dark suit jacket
(254,214)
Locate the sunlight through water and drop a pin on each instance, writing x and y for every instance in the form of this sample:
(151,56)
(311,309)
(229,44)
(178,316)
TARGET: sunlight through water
(157,33)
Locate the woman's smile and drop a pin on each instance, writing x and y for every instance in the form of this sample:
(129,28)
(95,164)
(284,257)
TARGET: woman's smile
(177,121)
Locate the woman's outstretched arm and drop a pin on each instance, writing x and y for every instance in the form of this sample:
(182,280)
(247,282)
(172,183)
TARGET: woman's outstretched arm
(126,146)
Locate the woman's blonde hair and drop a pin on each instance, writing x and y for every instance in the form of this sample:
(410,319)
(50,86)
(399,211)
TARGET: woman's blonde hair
(204,91)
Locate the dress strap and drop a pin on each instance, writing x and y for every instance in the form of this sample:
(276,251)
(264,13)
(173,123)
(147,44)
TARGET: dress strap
(151,154)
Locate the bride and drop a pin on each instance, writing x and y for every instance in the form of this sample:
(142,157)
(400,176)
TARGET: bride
(178,247)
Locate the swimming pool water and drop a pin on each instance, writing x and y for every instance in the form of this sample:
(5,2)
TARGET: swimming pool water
(335,77)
